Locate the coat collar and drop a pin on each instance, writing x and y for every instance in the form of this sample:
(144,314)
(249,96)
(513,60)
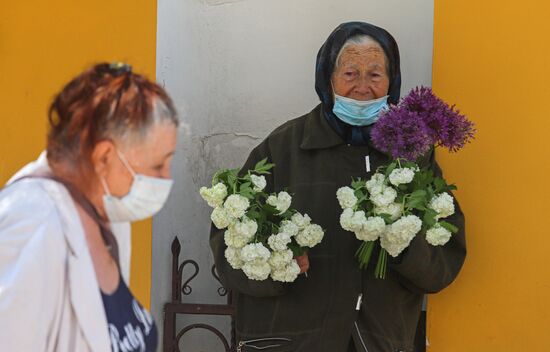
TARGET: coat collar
(317,132)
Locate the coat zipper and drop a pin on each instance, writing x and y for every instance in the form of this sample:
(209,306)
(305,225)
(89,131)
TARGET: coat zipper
(244,343)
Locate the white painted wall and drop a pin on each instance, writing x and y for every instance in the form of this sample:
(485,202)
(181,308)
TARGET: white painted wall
(237,69)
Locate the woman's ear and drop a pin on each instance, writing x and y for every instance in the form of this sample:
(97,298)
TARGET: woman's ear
(102,157)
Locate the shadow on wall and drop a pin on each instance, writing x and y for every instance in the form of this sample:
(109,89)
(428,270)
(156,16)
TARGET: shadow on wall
(217,151)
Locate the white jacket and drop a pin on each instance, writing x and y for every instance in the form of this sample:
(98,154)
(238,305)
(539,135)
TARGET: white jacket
(49,296)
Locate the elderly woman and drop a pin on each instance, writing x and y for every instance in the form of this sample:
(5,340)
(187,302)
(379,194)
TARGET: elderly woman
(64,218)
(337,307)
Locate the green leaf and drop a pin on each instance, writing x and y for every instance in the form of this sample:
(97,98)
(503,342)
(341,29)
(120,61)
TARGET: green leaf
(270,209)
(429,217)
(297,251)
(440,184)
(260,164)
(232,182)
(386,217)
(248,194)
(417,199)
(409,164)
(358,184)
(221,176)
(253,214)
(419,194)
(450,227)
(262,167)
(390,168)
(360,194)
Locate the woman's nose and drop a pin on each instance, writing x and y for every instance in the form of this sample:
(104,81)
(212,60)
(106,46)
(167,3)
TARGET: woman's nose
(363,87)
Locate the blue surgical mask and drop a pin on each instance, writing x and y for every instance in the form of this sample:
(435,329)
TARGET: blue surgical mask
(359,113)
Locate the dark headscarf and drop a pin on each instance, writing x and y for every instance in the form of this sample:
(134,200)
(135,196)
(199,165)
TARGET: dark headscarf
(326,60)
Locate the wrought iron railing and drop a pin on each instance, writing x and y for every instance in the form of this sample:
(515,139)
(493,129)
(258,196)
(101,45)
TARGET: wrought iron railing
(177,307)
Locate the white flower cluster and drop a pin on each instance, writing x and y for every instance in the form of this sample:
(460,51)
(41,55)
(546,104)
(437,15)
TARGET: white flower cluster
(382,196)
(283,267)
(438,235)
(394,210)
(365,229)
(279,241)
(346,197)
(300,220)
(289,227)
(401,176)
(443,204)
(399,234)
(240,233)
(289,273)
(376,183)
(214,196)
(221,218)
(236,205)
(310,236)
(255,258)
(259,183)
(281,201)
(257,261)
(227,214)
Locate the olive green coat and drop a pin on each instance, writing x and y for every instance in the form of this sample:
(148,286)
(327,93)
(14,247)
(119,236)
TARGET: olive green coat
(318,313)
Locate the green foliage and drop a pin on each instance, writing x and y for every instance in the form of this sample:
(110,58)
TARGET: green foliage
(263,167)
(428,217)
(450,227)
(417,200)
(297,251)
(390,168)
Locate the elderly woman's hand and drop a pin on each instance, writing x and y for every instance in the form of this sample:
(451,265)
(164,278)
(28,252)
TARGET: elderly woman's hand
(303,263)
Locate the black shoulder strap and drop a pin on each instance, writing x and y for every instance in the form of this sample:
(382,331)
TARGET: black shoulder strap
(80,198)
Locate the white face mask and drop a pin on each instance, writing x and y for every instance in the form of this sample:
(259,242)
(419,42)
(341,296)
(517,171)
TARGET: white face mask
(146,197)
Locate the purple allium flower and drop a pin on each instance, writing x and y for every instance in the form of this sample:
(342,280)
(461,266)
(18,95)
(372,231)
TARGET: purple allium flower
(419,121)
(402,134)
(447,126)
(453,129)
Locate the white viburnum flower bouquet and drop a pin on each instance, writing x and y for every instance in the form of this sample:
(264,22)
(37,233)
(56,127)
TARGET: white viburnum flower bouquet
(398,202)
(401,199)
(263,233)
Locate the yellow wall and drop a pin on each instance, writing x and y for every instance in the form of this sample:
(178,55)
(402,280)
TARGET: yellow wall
(492,58)
(45,43)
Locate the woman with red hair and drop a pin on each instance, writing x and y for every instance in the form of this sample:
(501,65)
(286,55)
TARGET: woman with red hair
(64,218)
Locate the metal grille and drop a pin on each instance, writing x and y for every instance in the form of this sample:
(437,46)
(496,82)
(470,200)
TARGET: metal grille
(176,306)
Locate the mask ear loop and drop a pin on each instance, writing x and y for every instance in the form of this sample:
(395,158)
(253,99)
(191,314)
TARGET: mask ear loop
(125,162)
(104,184)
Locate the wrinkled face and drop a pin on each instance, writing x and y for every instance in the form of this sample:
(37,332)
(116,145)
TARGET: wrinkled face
(152,156)
(361,73)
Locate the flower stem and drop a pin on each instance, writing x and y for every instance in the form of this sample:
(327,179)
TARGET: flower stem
(380,271)
(364,253)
